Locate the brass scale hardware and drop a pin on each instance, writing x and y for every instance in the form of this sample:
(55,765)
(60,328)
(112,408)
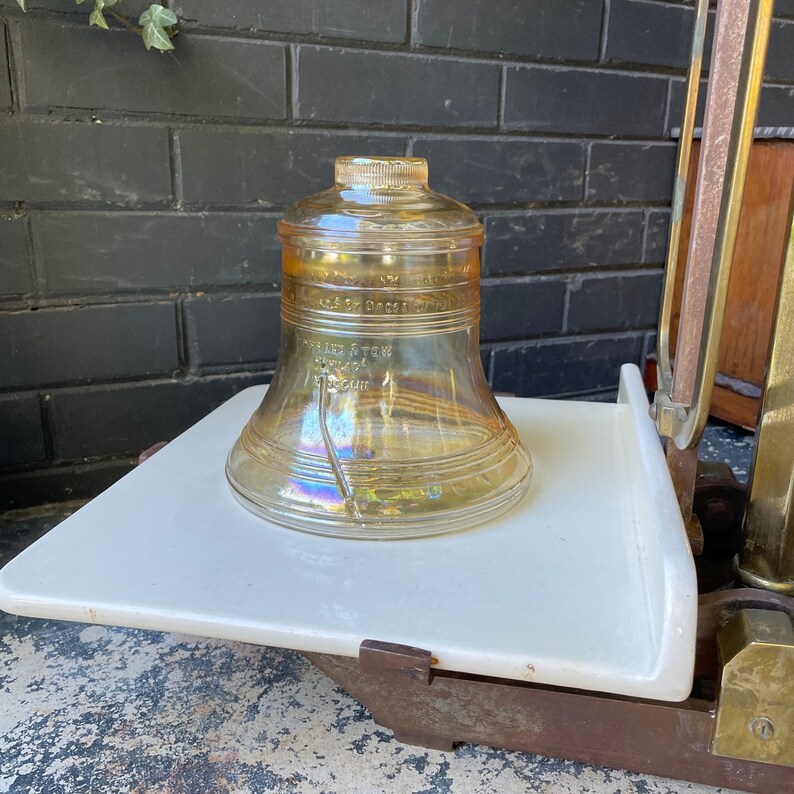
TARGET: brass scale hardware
(755,713)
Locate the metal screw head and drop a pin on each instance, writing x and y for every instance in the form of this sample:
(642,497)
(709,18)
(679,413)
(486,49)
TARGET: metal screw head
(762,728)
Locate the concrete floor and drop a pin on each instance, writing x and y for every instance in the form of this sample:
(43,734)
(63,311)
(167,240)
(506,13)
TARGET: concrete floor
(95,709)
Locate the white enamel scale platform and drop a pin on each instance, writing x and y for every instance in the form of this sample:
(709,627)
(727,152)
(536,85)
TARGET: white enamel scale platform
(589,583)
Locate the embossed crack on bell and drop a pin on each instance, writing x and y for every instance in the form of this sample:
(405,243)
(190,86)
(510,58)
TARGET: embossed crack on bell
(379,422)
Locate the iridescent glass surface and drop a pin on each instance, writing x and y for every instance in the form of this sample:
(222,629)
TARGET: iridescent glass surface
(379,422)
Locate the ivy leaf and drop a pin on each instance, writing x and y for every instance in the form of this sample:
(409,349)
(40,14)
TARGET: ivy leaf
(156,37)
(156,15)
(21,4)
(154,21)
(97,18)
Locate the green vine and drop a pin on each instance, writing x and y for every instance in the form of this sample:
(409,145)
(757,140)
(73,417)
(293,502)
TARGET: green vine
(155,25)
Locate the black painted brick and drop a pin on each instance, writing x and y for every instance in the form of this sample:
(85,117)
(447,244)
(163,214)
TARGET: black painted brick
(115,420)
(613,302)
(784,8)
(631,172)
(649,32)
(495,171)
(565,366)
(544,241)
(657,229)
(780,57)
(565,29)
(57,484)
(234,329)
(85,163)
(84,252)
(776,107)
(15,273)
(204,76)
(374,20)
(543,99)
(21,432)
(355,86)
(233,167)
(52,346)
(520,309)
(5,78)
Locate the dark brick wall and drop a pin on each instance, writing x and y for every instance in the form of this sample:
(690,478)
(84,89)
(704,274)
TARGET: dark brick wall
(139,194)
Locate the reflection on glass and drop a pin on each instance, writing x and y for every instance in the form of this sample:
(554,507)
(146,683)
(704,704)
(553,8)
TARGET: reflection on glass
(379,422)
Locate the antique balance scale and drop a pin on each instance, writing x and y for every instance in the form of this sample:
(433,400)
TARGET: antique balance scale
(537,590)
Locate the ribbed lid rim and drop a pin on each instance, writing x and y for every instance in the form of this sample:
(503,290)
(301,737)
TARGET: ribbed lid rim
(381,172)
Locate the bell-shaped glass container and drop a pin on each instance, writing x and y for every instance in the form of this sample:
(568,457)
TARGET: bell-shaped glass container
(379,422)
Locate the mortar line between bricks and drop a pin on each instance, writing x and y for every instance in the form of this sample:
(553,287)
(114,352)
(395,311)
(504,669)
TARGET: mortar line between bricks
(568,336)
(489,210)
(31,264)
(592,270)
(430,51)
(47,426)
(572,209)
(275,211)
(181,337)
(616,271)
(516,61)
(528,279)
(645,224)
(604,32)
(411,22)
(70,300)
(323,128)
(501,101)
(39,275)
(250,124)
(175,161)
(292,79)
(668,106)
(588,151)
(128,380)
(566,305)
(14,79)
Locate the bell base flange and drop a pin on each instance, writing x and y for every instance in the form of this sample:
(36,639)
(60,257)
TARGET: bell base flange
(383,527)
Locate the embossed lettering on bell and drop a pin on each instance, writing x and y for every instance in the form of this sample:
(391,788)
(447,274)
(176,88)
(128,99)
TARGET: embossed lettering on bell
(379,422)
